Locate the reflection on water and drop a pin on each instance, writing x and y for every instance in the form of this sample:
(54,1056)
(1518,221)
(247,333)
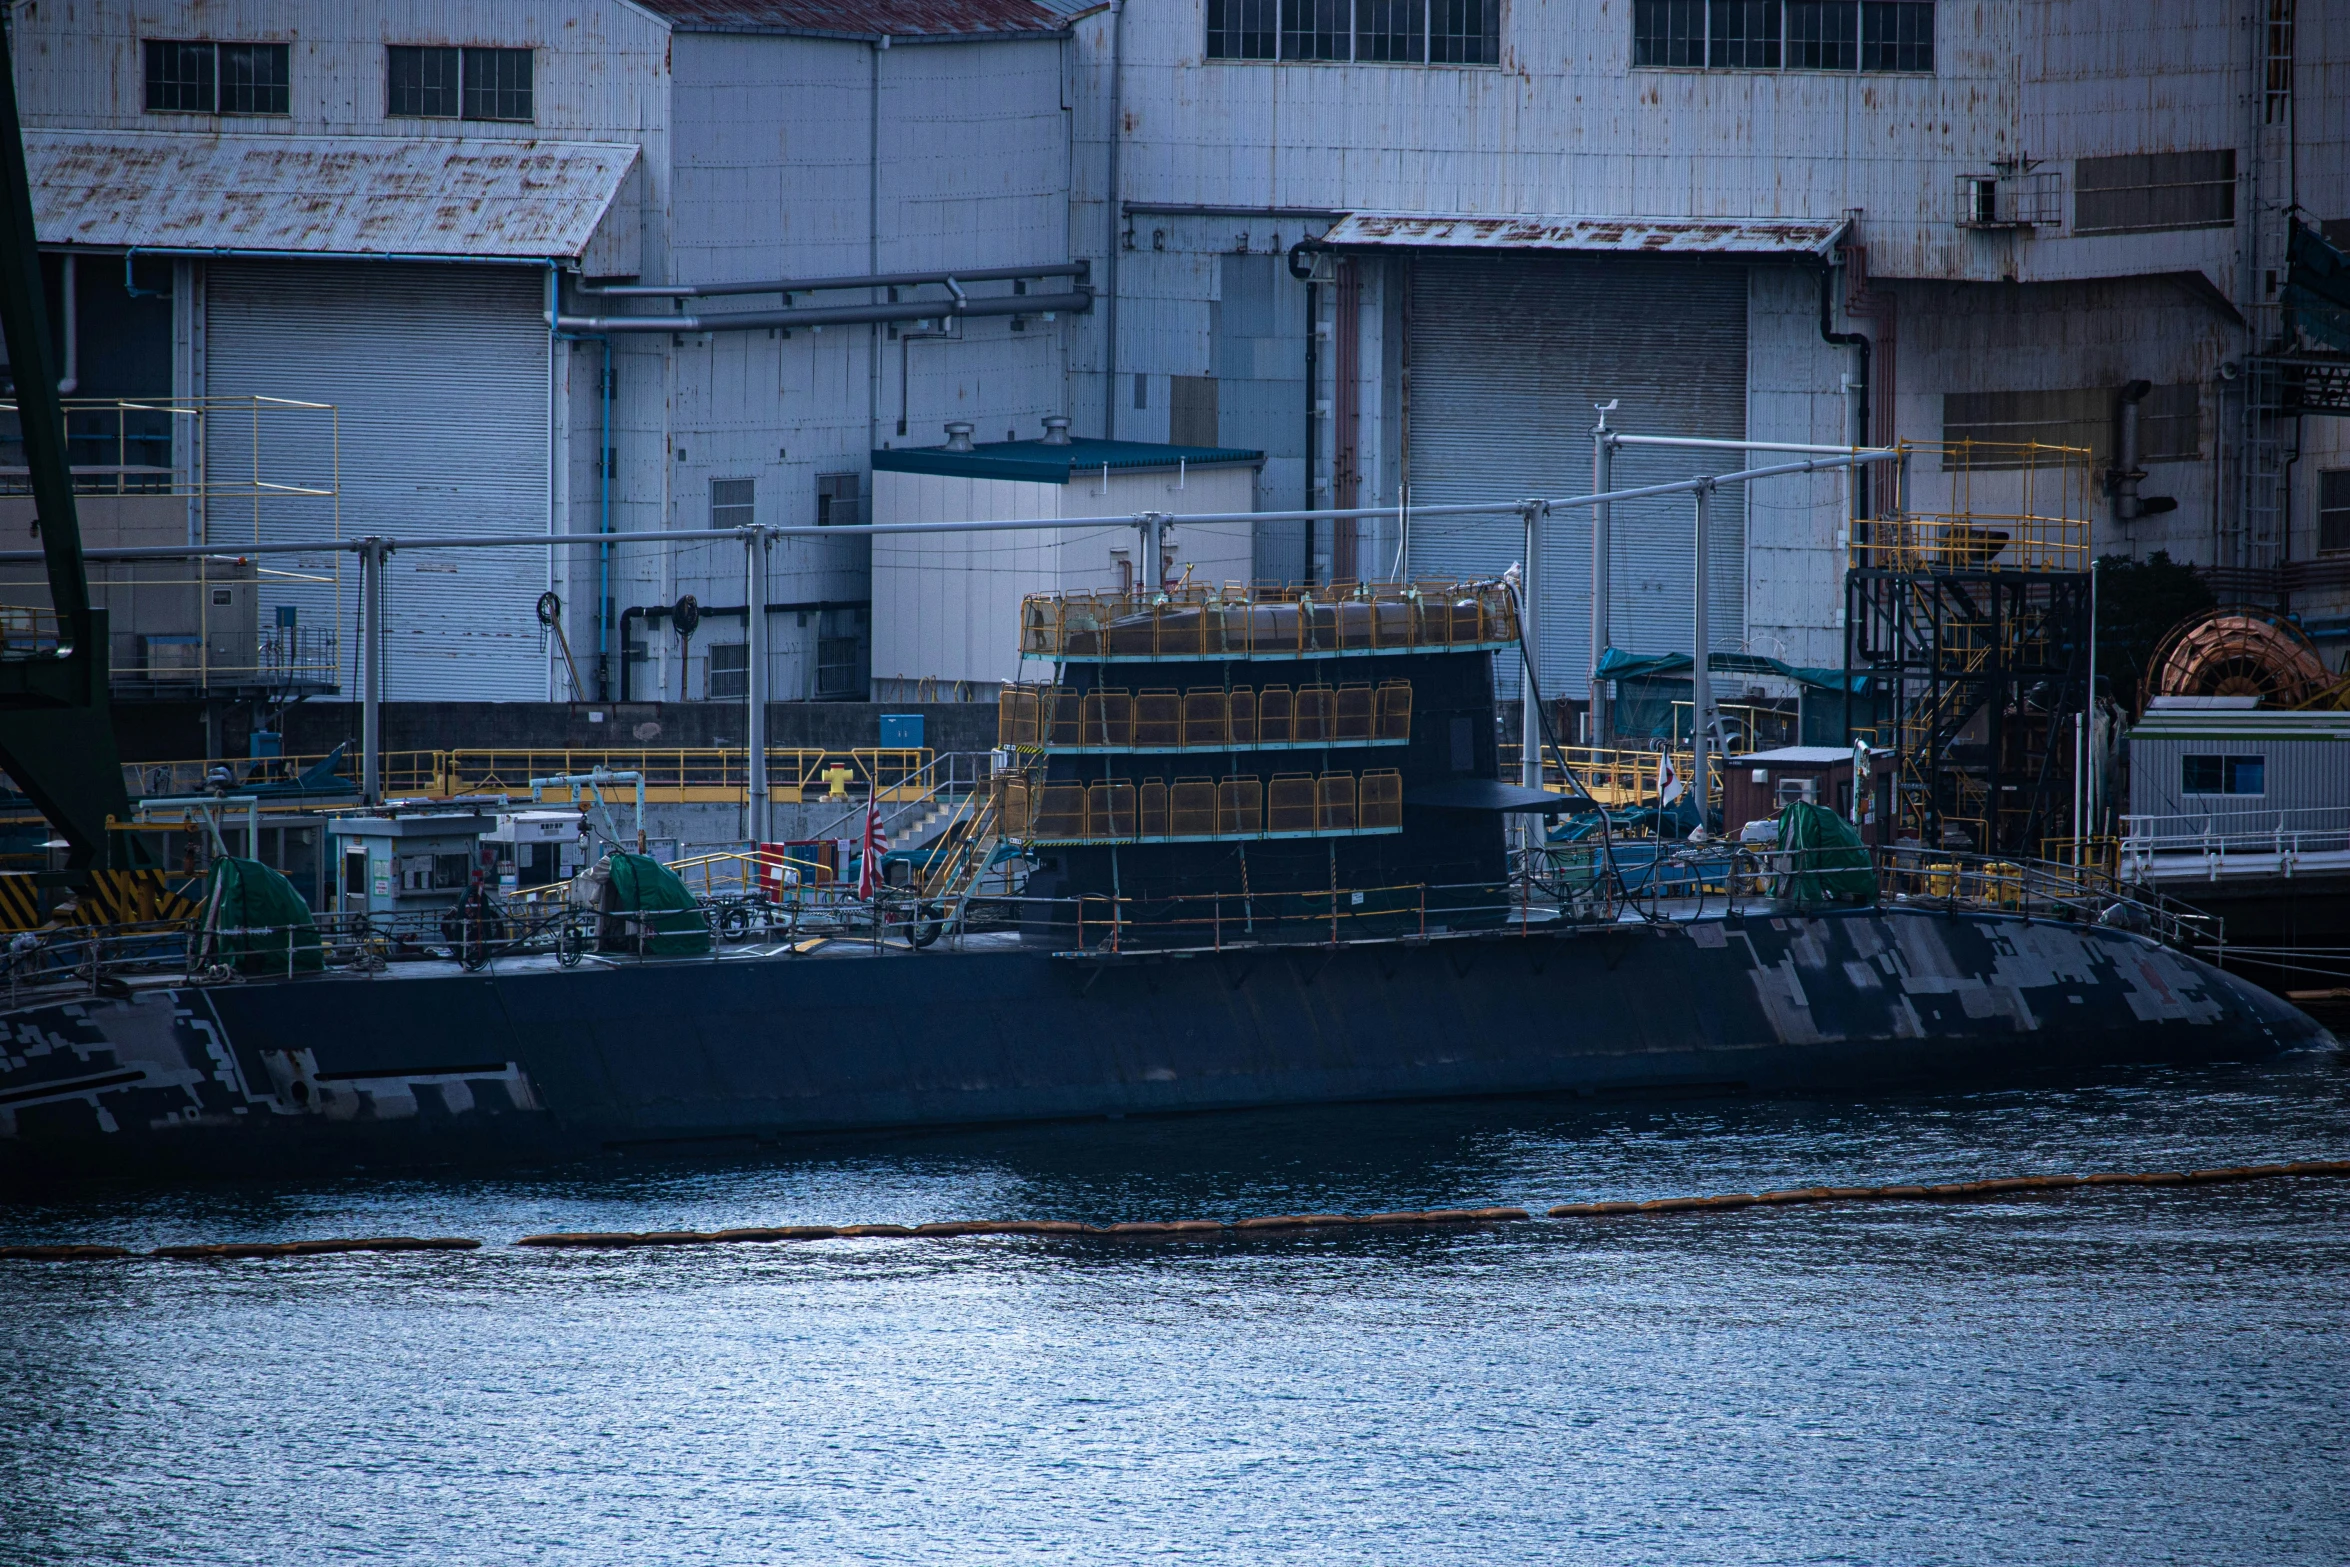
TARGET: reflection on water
(2117,1376)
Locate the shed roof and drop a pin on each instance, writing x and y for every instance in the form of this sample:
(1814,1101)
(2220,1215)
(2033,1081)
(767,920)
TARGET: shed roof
(1619,235)
(1033,462)
(326,195)
(1792,756)
(863,18)
(2231,724)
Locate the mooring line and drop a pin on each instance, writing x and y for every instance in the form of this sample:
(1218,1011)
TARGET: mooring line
(1190,1229)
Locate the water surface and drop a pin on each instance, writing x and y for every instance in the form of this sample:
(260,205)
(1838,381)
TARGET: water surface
(2121,1376)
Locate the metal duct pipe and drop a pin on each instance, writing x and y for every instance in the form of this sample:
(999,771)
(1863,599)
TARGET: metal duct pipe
(1857,387)
(838,315)
(817,284)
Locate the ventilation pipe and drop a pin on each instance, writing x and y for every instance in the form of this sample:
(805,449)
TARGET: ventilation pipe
(959,435)
(2123,478)
(1056,430)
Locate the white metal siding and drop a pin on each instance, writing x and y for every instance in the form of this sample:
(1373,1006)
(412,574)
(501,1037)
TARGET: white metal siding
(1509,355)
(439,378)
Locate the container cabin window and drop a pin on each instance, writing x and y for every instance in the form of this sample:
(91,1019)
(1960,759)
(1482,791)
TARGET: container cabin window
(2242,775)
(431,83)
(1380,32)
(215,78)
(2333,511)
(2148,192)
(1790,35)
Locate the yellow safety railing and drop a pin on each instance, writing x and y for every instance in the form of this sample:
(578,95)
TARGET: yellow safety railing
(1984,506)
(1213,719)
(1230,622)
(1157,810)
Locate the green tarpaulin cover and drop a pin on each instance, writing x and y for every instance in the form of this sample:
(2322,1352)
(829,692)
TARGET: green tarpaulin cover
(256,922)
(1824,859)
(638,881)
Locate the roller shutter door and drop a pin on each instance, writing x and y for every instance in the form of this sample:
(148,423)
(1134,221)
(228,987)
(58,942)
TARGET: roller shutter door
(439,379)
(1509,353)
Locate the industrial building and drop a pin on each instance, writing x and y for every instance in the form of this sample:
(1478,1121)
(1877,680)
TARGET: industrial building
(1400,250)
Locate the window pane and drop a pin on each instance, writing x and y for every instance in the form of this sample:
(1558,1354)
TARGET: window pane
(1823,35)
(837,497)
(1668,33)
(1395,30)
(1464,32)
(730,671)
(1241,29)
(2247,774)
(731,502)
(1744,34)
(179,78)
(423,83)
(1315,30)
(1897,35)
(2333,510)
(254,78)
(497,84)
(2139,192)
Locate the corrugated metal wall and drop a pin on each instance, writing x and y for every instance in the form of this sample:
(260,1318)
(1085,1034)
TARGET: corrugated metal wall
(439,376)
(1509,353)
(2298,775)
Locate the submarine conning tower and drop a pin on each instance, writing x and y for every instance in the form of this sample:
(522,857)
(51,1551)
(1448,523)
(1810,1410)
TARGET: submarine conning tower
(1310,763)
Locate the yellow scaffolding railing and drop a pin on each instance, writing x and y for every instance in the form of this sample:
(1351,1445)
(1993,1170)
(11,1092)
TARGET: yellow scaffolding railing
(1232,622)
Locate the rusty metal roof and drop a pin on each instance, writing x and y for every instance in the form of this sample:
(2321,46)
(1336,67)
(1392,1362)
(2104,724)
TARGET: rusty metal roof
(329,195)
(863,18)
(1654,236)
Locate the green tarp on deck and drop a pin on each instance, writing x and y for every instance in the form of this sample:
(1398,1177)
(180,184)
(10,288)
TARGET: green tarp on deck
(1823,860)
(256,922)
(640,882)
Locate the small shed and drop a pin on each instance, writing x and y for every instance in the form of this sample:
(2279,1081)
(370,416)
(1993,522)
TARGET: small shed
(946,606)
(1759,784)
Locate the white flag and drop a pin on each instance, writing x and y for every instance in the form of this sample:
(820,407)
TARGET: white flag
(1668,780)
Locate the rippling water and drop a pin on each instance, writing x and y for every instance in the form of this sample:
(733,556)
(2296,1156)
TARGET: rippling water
(2128,1375)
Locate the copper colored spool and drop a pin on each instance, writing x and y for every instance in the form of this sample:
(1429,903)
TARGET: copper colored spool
(2232,653)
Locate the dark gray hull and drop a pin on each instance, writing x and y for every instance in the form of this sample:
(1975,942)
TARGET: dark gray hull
(533,1062)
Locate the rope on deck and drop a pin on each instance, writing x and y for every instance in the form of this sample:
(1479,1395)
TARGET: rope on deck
(1192,1229)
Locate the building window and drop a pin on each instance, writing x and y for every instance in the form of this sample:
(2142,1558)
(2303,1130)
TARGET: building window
(1771,35)
(2223,775)
(2333,511)
(730,671)
(497,84)
(423,83)
(1388,32)
(837,496)
(215,78)
(2170,422)
(840,653)
(457,84)
(1822,35)
(732,502)
(2144,192)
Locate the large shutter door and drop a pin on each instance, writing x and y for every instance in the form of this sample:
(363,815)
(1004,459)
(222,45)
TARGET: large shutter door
(1509,353)
(438,375)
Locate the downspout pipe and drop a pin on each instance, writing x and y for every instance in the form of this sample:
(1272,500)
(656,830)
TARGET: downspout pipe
(2123,479)
(1114,218)
(72,381)
(1859,343)
(557,330)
